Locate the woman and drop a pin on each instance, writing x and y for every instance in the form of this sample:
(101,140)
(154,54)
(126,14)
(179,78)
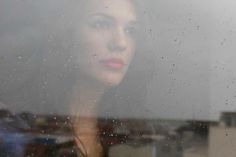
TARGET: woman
(105,48)
(101,47)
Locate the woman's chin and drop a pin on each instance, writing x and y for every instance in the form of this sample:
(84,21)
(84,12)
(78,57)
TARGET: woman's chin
(112,79)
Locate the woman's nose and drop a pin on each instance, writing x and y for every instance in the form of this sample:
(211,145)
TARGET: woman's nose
(118,41)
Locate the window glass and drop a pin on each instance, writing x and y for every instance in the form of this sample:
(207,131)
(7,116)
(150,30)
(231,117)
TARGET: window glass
(96,78)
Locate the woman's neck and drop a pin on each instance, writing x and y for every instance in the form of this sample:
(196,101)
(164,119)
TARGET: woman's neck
(85,99)
(86,95)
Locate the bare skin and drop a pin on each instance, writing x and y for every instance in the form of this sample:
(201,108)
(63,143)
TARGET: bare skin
(84,106)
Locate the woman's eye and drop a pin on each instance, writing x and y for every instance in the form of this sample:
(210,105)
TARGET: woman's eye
(131,30)
(100,24)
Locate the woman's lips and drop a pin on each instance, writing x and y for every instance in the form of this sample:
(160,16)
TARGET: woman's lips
(113,63)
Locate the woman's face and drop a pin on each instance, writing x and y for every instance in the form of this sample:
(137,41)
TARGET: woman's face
(106,35)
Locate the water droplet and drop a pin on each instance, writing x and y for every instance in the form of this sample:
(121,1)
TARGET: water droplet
(19,57)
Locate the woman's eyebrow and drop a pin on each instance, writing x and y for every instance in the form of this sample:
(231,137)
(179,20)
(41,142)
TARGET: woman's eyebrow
(108,17)
(102,15)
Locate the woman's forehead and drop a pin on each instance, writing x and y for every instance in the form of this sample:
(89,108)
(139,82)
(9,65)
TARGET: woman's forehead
(115,8)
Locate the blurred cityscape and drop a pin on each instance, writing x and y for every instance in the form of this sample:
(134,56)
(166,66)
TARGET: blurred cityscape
(47,134)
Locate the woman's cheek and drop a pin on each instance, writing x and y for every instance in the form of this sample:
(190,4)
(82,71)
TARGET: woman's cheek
(131,53)
(88,58)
